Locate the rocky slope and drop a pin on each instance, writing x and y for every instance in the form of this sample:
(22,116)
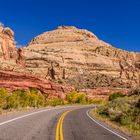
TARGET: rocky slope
(76,56)
(15,80)
(13,73)
(67,56)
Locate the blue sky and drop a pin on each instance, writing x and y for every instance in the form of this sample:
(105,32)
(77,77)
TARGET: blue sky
(114,21)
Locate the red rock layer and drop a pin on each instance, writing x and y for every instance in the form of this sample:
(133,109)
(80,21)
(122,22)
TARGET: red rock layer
(13,80)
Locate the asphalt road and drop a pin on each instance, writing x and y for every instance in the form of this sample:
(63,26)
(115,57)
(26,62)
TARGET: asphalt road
(43,125)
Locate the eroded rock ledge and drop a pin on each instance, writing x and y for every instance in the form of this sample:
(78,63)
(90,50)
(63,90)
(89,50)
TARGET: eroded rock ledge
(15,80)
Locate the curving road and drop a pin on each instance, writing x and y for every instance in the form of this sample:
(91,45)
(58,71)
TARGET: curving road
(60,123)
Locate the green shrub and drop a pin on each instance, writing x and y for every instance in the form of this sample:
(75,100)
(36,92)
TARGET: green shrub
(123,111)
(81,98)
(115,96)
(95,101)
(33,91)
(76,97)
(3,98)
(54,102)
(71,97)
(21,98)
(36,99)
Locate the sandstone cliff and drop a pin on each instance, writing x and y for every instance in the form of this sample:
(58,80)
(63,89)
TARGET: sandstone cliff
(76,56)
(10,56)
(15,80)
(7,43)
(67,56)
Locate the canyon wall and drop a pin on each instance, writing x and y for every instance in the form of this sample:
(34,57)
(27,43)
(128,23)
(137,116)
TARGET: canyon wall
(64,59)
(76,56)
(7,44)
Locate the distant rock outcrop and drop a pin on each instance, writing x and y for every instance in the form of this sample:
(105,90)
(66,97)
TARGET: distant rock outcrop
(10,57)
(7,43)
(78,57)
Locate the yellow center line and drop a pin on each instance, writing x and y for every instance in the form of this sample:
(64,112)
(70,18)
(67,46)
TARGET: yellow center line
(59,128)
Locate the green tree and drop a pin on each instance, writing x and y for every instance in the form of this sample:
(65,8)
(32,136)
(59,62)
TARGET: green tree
(115,96)
(3,98)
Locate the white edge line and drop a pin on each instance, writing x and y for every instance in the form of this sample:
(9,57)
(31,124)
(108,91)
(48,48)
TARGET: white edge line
(37,112)
(104,126)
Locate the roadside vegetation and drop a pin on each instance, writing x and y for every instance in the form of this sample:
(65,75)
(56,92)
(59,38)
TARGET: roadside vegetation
(20,99)
(33,98)
(75,97)
(122,112)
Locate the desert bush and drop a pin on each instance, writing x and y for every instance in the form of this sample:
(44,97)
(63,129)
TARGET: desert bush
(71,97)
(3,98)
(134,91)
(35,98)
(76,97)
(54,102)
(21,98)
(123,111)
(95,101)
(115,96)
(81,98)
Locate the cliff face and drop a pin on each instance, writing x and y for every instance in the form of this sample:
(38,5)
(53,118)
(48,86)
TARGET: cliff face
(67,56)
(7,44)
(15,80)
(76,56)
(10,57)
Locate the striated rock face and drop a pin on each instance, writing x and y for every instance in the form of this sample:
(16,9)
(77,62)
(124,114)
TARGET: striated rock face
(7,44)
(76,56)
(14,80)
(67,56)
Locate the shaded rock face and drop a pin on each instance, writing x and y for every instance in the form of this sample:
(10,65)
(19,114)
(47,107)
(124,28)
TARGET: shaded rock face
(20,57)
(14,80)
(7,44)
(78,57)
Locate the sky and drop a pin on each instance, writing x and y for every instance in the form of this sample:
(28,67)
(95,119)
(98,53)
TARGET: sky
(114,21)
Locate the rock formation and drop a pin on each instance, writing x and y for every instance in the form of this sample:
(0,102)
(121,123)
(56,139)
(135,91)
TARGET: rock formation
(67,56)
(20,57)
(15,80)
(79,58)
(7,43)
(10,56)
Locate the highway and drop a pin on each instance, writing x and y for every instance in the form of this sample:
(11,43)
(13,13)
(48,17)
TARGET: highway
(59,123)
